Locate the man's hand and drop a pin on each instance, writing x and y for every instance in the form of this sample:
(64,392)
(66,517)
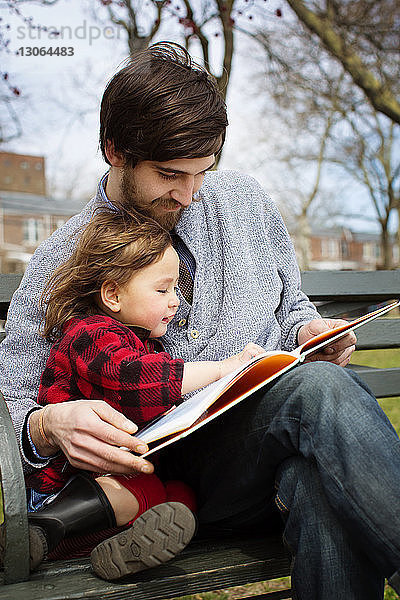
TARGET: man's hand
(339,352)
(91,434)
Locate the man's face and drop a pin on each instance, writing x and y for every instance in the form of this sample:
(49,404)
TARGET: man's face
(162,190)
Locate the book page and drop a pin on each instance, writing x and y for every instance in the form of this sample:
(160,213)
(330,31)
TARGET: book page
(253,379)
(182,416)
(219,396)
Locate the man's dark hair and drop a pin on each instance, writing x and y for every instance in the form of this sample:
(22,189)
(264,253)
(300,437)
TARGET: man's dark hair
(161,106)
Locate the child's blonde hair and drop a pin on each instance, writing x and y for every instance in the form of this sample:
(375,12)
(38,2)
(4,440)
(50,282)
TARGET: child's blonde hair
(112,247)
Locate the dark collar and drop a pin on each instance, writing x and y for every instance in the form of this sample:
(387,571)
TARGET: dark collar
(142,333)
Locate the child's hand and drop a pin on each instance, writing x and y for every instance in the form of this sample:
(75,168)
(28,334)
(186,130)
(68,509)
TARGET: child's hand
(233,362)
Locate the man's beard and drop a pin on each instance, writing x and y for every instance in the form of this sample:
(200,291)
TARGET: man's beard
(155,210)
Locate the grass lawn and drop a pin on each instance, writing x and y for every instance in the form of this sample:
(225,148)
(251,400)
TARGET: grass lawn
(378,358)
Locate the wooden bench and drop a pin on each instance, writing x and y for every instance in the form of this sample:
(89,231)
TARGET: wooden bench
(209,564)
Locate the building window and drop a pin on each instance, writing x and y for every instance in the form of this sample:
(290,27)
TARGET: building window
(368,251)
(344,248)
(371,251)
(32,231)
(24,165)
(38,166)
(329,248)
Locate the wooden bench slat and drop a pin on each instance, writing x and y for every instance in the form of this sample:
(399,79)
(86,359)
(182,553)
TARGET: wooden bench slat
(381,333)
(8,285)
(278,595)
(347,285)
(343,309)
(384,383)
(203,566)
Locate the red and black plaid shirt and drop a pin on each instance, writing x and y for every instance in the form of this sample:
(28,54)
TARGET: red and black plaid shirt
(99,358)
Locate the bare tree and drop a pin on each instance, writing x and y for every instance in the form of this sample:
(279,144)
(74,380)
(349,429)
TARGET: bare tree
(10,95)
(306,81)
(369,153)
(303,156)
(364,36)
(10,125)
(197,20)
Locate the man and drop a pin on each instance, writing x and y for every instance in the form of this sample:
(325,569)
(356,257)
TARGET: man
(315,443)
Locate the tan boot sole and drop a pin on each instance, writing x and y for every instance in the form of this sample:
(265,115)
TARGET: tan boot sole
(155,537)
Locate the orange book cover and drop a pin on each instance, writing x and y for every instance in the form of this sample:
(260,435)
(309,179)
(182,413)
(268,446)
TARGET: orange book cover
(222,395)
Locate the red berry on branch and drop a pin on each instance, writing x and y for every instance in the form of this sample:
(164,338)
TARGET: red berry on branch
(15,91)
(278,12)
(5,76)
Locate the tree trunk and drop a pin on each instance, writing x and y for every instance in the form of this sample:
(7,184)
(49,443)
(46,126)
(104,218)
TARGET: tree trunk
(385,246)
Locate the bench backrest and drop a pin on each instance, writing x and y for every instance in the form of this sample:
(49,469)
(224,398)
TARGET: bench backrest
(346,294)
(337,293)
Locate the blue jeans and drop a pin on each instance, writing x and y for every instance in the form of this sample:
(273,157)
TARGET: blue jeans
(315,444)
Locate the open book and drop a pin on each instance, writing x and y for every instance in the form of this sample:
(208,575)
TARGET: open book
(225,393)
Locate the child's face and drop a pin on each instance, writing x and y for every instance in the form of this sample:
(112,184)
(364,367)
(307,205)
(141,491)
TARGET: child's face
(149,299)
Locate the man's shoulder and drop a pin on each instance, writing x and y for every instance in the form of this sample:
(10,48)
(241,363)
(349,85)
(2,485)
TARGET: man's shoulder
(231,178)
(236,193)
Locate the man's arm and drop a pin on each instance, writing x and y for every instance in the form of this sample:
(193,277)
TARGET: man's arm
(91,434)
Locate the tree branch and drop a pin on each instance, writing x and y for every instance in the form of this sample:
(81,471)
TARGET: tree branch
(379,95)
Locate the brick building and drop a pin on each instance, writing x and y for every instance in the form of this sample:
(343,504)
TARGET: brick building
(22,173)
(27,215)
(339,248)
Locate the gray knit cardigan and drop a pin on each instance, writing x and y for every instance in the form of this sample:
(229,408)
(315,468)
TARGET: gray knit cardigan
(246,288)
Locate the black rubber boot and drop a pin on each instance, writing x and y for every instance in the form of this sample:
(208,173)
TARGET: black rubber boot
(80,507)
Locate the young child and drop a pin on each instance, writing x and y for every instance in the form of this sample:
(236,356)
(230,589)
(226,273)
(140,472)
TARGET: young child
(104,310)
